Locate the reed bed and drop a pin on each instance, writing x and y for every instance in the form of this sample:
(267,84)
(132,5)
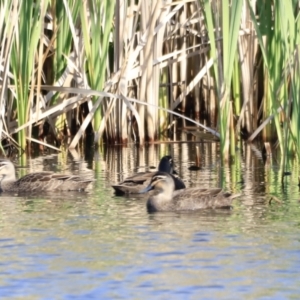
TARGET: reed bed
(131,71)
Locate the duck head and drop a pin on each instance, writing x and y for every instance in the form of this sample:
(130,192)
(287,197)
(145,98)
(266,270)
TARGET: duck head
(7,170)
(161,181)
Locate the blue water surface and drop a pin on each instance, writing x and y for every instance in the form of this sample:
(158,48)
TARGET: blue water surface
(96,245)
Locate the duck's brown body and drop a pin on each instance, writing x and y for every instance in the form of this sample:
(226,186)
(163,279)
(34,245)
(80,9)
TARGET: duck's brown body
(134,183)
(166,199)
(39,182)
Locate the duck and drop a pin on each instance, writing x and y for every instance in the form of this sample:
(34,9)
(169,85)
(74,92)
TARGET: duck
(136,182)
(39,181)
(166,198)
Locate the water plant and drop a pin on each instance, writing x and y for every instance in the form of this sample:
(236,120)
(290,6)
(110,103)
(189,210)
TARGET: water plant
(96,23)
(278,36)
(223,23)
(26,35)
(139,68)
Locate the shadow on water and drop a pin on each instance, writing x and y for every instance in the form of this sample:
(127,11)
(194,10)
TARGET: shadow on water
(98,245)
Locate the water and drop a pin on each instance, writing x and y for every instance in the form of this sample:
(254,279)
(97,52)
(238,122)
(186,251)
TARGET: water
(98,246)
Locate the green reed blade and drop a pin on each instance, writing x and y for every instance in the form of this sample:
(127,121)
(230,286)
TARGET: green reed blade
(24,48)
(97,21)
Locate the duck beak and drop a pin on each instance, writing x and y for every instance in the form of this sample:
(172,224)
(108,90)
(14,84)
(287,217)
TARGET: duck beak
(146,189)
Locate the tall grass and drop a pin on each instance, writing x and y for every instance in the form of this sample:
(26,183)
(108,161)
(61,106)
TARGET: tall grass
(150,59)
(223,23)
(6,33)
(27,32)
(278,35)
(65,14)
(97,22)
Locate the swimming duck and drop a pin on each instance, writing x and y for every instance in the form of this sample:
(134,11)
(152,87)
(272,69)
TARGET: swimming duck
(38,182)
(134,183)
(167,199)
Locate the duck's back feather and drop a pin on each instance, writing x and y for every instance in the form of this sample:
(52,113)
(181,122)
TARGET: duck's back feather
(47,181)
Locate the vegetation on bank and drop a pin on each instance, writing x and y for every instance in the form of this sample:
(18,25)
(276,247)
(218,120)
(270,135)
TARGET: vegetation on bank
(128,70)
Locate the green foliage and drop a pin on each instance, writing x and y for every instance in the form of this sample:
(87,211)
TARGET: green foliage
(25,45)
(278,34)
(97,21)
(145,60)
(63,33)
(229,15)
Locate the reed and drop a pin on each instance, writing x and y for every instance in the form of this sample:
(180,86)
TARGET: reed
(223,23)
(158,59)
(6,33)
(63,34)
(96,23)
(27,32)
(250,65)
(65,15)
(163,102)
(278,36)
